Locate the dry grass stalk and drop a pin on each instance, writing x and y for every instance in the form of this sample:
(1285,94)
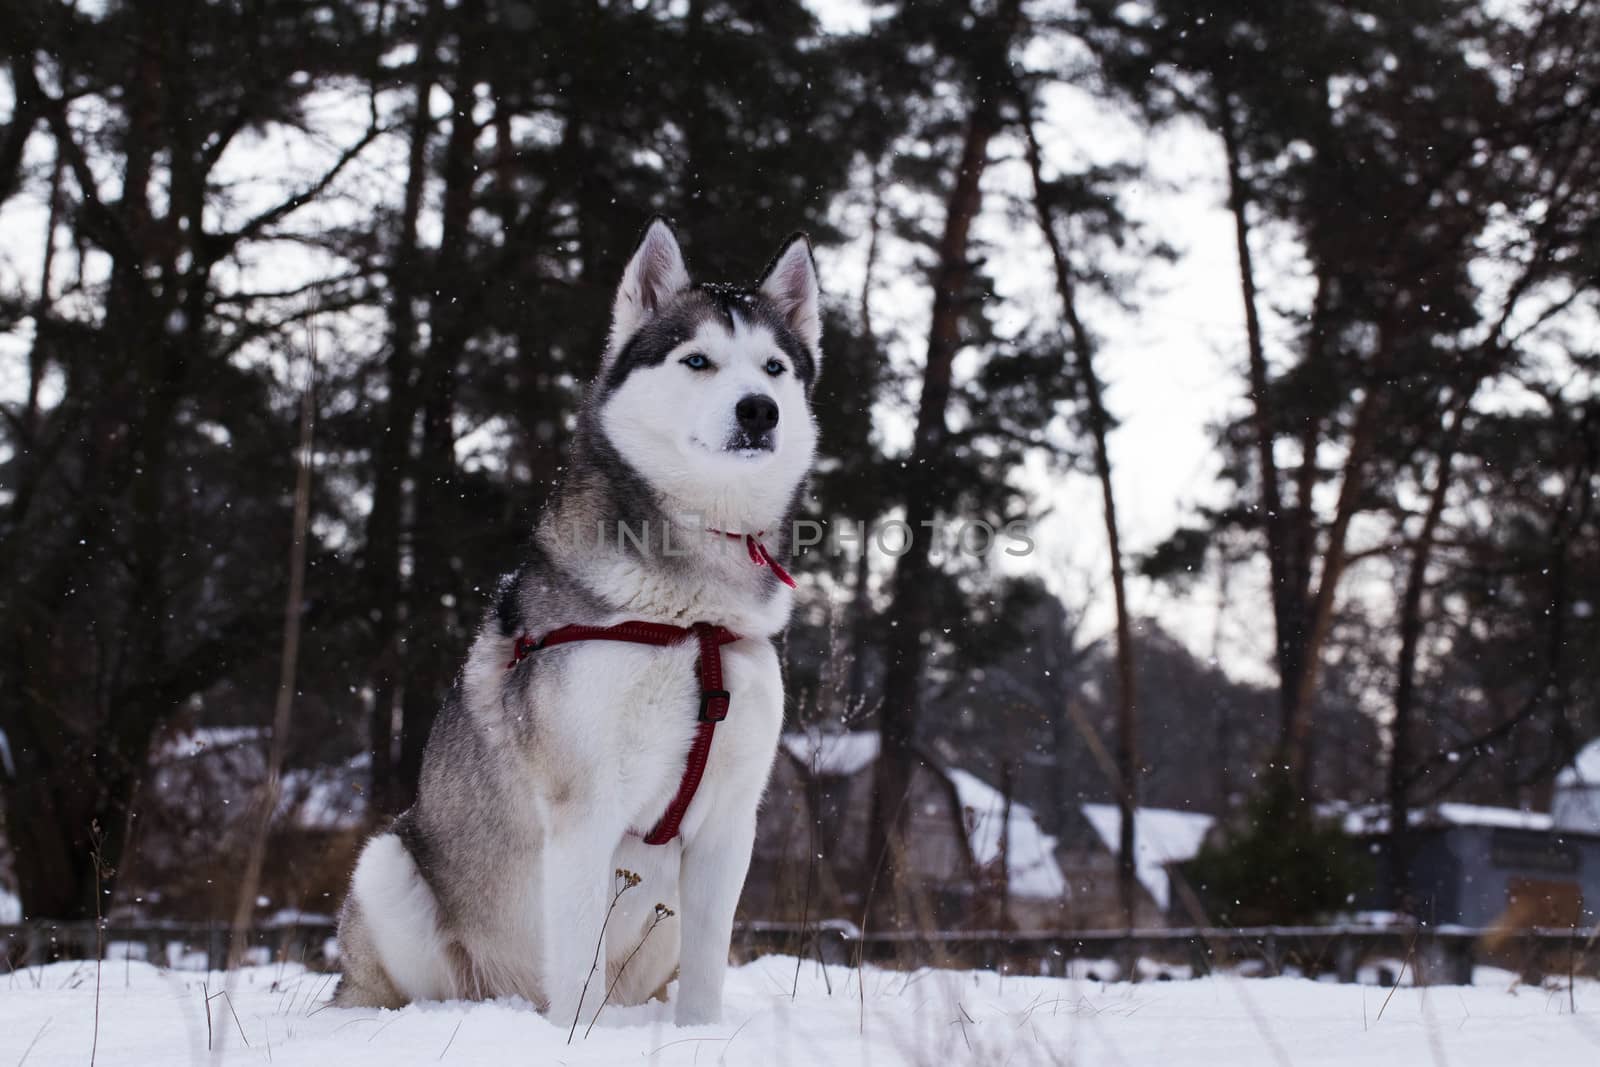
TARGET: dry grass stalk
(101,872)
(663,913)
(624,881)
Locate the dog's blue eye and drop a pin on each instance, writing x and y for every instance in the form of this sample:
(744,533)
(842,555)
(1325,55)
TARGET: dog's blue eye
(695,361)
(774,367)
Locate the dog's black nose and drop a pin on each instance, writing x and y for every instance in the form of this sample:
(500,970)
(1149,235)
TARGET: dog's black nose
(756,414)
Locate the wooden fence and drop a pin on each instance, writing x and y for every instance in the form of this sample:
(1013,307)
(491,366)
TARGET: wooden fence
(1443,955)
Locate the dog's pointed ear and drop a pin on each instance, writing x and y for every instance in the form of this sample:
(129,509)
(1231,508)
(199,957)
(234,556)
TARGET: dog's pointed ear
(654,275)
(791,284)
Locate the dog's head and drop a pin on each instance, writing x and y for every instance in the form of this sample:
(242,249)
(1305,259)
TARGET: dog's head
(706,389)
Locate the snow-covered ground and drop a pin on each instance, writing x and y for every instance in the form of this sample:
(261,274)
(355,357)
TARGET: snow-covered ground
(155,1018)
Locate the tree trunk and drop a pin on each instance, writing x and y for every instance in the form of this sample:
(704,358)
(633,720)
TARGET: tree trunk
(49,805)
(1224,714)
(925,494)
(25,464)
(1127,703)
(1294,754)
(861,597)
(161,365)
(860,635)
(1008,790)
(73,776)
(1411,630)
(392,459)
(692,198)
(1287,595)
(431,650)
(14,135)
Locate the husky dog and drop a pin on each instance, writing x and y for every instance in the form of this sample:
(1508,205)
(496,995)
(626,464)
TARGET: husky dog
(539,778)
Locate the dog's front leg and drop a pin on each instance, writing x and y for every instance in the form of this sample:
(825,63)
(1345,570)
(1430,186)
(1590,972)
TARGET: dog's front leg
(577,887)
(714,866)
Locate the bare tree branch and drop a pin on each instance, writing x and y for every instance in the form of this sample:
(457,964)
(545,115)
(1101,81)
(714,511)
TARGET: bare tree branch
(216,246)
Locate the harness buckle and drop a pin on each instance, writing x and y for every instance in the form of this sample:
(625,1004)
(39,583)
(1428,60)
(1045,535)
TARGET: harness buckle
(706,697)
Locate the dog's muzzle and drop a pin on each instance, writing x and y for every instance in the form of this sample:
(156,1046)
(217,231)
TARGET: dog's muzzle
(756,415)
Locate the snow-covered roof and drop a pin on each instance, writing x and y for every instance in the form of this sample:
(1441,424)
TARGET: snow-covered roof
(326,797)
(1483,815)
(1374,818)
(1032,870)
(833,753)
(1584,771)
(192,743)
(1160,836)
(1031,867)
(230,761)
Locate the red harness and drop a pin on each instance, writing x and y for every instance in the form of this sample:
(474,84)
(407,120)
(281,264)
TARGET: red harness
(713,698)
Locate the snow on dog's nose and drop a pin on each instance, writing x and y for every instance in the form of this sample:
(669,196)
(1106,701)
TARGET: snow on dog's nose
(757,414)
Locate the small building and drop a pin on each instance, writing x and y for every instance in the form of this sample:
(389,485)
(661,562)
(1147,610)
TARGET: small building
(977,860)
(1479,866)
(196,824)
(1091,844)
(1575,804)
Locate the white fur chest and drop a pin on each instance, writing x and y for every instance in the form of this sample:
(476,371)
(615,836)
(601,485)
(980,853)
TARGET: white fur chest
(618,720)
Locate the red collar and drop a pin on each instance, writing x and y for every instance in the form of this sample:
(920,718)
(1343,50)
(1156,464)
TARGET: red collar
(759,554)
(713,698)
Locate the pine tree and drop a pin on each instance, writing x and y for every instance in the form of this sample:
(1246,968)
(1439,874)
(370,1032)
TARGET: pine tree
(131,568)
